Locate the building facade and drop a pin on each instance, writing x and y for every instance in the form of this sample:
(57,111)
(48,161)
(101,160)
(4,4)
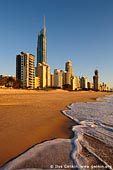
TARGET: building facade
(52,80)
(90,85)
(84,83)
(66,77)
(36,82)
(95,81)
(75,83)
(25,69)
(43,72)
(41,46)
(43,69)
(69,72)
(58,78)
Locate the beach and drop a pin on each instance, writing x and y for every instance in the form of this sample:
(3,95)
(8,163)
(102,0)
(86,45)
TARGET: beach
(29,117)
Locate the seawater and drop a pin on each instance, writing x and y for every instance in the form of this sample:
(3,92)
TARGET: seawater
(91,148)
(94,133)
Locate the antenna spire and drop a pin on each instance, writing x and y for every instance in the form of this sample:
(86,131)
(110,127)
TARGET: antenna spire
(44,22)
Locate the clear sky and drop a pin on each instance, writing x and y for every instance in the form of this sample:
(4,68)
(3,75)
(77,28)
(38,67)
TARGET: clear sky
(77,30)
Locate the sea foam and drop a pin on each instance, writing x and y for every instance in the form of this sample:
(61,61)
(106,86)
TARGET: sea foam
(92,144)
(94,132)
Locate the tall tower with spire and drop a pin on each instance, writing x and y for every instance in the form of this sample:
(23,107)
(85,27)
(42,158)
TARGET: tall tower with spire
(42,45)
(43,69)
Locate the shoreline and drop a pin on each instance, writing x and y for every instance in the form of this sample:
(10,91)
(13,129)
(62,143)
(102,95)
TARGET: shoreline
(63,132)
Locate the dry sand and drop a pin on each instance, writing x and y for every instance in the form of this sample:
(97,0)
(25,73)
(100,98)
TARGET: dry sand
(29,117)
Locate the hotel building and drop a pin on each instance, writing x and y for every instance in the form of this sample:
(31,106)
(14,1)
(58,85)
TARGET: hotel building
(25,69)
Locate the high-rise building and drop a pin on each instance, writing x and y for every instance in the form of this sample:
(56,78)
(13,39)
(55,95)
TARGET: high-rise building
(52,80)
(90,85)
(25,69)
(43,72)
(43,69)
(75,83)
(36,82)
(69,71)
(95,81)
(18,67)
(48,76)
(66,77)
(84,82)
(68,67)
(58,79)
(41,46)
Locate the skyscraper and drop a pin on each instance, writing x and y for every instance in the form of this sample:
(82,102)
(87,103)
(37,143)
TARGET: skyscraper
(58,81)
(43,72)
(41,45)
(84,82)
(68,67)
(25,69)
(95,81)
(43,69)
(69,71)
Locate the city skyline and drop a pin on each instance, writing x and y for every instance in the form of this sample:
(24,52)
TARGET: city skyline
(80,31)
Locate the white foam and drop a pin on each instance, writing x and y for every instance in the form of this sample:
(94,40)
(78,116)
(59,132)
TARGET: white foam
(94,120)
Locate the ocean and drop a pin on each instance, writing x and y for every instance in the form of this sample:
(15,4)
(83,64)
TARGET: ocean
(94,133)
(90,148)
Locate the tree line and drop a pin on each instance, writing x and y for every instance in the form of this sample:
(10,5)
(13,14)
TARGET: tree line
(10,81)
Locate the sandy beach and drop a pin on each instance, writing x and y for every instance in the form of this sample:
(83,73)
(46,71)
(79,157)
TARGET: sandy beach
(29,117)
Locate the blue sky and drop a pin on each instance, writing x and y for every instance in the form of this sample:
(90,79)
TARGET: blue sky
(77,30)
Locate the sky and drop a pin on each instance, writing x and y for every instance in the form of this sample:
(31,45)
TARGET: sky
(77,30)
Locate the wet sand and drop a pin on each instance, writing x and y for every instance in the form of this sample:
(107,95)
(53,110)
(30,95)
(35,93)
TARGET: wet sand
(29,117)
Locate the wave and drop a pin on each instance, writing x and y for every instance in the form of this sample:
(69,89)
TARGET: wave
(95,132)
(90,148)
